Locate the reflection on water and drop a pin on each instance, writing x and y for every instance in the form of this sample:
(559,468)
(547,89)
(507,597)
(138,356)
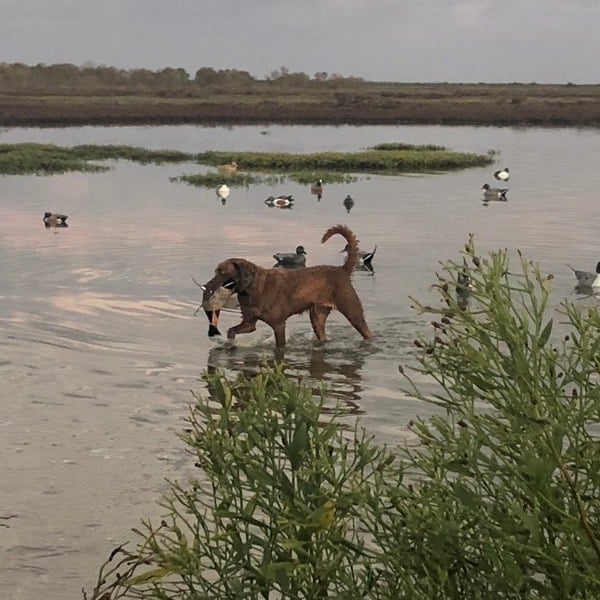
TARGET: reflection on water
(100,346)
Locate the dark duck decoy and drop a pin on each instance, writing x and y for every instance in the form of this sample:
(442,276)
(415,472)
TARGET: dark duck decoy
(490,193)
(291,260)
(55,220)
(280,201)
(317,189)
(502,175)
(348,202)
(587,279)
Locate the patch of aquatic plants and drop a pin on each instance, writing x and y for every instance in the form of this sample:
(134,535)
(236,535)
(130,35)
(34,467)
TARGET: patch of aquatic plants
(388,162)
(403,146)
(331,167)
(48,159)
(214,179)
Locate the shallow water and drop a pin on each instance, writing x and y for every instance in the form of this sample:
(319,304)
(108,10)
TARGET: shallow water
(100,347)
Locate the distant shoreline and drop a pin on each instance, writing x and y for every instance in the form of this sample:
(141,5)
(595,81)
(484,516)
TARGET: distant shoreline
(358,104)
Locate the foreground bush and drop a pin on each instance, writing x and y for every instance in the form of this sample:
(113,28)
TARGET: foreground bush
(498,498)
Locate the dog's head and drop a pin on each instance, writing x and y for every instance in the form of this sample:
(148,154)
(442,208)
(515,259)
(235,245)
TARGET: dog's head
(234,275)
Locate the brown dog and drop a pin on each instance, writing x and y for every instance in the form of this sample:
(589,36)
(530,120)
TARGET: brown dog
(273,295)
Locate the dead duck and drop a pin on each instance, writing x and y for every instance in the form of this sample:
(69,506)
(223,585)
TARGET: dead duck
(280,201)
(55,220)
(317,189)
(348,202)
(502,175)
(587,279)
(291,260)
(490,193)
(213,301)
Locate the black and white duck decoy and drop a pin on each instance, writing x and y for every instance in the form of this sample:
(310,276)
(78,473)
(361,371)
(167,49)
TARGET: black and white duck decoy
(55,220)
(317,189)
(587,279)
(502,175)
(490,193)
(280,201)
(223,193)
(291,260)
(365,259)
(348,202)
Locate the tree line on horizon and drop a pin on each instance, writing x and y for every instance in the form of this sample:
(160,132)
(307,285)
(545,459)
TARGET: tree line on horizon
(19,77)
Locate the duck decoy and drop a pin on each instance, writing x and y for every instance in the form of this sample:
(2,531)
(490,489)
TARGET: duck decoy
(280,201)
(55,220)
(365,259)
(317,189)
(348,202)
(291,260)
(502,175)
(587,279)
(223,193)
(491,193)
(228,168)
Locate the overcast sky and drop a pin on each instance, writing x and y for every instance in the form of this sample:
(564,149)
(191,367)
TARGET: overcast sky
(554,41)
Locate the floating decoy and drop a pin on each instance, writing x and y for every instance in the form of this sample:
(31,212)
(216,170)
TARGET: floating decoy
(291,260)
(280,201)
(55,220)
(364,259)
(317,189)
(502,175)
(491,193)
(348,202)
(463,290)
(228,168)
(587,279)
(223,193)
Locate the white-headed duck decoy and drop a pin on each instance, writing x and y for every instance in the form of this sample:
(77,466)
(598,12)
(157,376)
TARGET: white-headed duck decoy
(280,201)
(228,169)
(490,193)
(365,259)
(502,175)
(317,189)
(291,260)
(348,202)
(55,220)
(223,193)
(587,279)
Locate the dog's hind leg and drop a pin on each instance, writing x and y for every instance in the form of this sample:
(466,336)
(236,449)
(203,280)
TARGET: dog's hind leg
(246,326)
(318,318)
(351,307)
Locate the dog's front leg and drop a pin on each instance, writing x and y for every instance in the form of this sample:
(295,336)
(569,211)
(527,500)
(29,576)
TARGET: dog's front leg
(246,326)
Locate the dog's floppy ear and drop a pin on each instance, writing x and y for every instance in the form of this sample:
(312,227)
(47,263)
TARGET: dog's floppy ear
(244,274)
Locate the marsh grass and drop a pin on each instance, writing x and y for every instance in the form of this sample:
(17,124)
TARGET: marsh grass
(496,497)
(253,167)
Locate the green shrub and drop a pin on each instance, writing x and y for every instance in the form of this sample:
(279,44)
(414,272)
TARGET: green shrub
(497,498)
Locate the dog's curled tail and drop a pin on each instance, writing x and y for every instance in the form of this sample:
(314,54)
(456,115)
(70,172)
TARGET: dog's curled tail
(351,247)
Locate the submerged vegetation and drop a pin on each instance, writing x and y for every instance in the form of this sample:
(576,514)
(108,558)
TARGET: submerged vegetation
(254,167)
(495,497)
